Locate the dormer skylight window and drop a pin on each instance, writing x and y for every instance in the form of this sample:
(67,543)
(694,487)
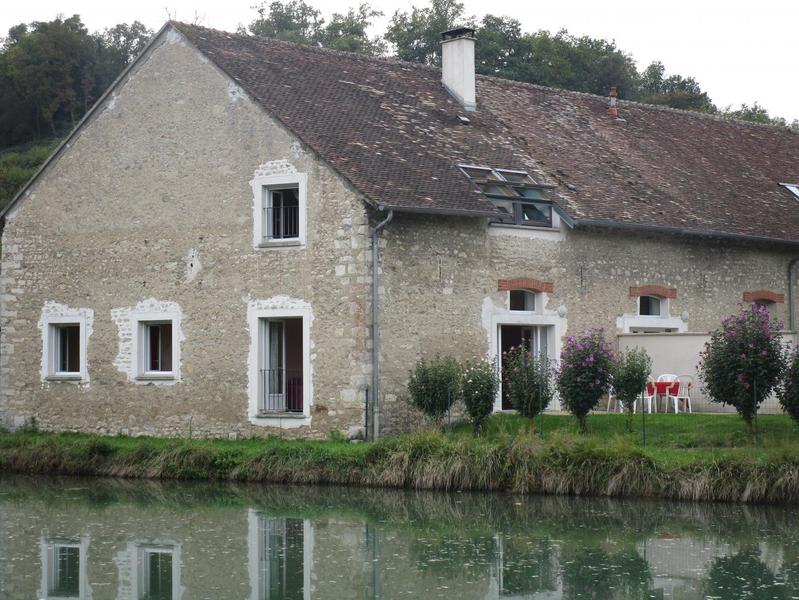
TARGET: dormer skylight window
(792,187)
(515,193)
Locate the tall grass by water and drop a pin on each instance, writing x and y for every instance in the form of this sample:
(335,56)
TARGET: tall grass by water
(696,457)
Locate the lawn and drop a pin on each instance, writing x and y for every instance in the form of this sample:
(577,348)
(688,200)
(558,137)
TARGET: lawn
(687,456)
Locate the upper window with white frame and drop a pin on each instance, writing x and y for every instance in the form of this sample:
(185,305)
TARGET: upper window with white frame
(522,300)
(514,193)
(157,355)
(65,348)
(279,210)
(652,306)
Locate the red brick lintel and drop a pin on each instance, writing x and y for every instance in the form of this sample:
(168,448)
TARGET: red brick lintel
(525,283)
(764,296)
(653,290)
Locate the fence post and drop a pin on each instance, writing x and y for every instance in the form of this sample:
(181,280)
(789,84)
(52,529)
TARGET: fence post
(643,413)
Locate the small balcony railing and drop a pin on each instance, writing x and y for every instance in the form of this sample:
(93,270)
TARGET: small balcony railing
(281,391)
(282,222)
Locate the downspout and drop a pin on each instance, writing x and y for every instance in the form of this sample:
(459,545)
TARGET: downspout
(791,297)
(375,395)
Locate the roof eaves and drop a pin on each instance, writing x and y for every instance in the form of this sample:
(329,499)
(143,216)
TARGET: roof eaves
(697,233)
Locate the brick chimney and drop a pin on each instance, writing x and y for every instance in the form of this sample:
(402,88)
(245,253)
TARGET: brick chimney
(457,65)
(612,110)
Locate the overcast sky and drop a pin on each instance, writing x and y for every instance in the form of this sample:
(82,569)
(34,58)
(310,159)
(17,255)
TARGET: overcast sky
(739,51)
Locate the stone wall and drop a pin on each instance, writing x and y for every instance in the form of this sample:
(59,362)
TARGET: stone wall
(441,279)
(150,208)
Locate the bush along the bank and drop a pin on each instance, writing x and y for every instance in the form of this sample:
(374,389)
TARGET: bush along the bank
(479,386)
(744,360)
(433,387)
(527,380)
(630,373)
(585,367)
(789,394)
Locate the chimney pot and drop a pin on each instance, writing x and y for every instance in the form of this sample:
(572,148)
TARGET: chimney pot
(612,110)
(457,65)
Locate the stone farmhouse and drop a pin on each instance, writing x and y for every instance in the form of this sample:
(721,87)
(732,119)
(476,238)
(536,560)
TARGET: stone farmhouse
(248,237)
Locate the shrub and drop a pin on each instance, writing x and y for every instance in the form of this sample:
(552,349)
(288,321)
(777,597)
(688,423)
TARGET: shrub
(479,386)
(585,368)
(789,394)
(630,373)
(433,387)
(527,381)
(742,363)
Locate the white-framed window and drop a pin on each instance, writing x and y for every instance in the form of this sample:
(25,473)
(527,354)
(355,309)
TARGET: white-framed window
(279,210)
(64,348)
(280,387)
(652,306)
(522,300)
(157,350)
(64,570)
(280,557)
(767,304)
(157,572)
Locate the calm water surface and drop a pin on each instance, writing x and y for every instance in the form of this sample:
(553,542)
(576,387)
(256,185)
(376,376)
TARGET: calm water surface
(134,540)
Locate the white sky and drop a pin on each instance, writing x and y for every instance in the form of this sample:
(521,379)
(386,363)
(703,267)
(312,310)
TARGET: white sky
(738,50)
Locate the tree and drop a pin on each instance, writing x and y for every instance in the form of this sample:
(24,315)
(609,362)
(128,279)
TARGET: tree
(416,36)
(528,381)
(348,32)
(674,91)
(758,114)
(293,21)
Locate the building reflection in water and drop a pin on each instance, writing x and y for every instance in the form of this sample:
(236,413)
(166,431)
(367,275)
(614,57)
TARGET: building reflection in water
(380,545)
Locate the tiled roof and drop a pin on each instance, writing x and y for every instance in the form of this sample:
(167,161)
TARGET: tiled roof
(392,130)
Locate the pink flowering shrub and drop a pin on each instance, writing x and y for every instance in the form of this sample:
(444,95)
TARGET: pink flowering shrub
(743,362)
(586,363)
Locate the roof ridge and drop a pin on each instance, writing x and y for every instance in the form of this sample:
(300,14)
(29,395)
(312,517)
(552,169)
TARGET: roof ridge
(645,105)
(274,41)
(404,63)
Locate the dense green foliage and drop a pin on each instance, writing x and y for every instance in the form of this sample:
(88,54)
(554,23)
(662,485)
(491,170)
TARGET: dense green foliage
(434,386)
(744,360)
(478,388)
(692,457)
(16,167)
(52,72)
(586,364)
(789,392)
(630,373)
(528,381)
(297,21)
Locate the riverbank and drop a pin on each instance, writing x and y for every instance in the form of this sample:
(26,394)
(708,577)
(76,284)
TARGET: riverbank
(687,457)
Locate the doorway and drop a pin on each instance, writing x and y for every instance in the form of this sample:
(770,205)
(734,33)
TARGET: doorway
(533,337)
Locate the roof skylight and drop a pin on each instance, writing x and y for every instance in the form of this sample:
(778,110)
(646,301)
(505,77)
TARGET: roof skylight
(502,183)
(792,187)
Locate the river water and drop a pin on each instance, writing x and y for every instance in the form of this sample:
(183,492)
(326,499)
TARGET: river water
(133,540)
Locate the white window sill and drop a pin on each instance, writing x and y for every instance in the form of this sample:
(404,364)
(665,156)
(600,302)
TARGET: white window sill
(280,415)
(281,243)
(166,376)
(64,377)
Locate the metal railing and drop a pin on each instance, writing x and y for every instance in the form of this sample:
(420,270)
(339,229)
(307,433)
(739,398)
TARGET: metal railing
(281,391)
(282,222)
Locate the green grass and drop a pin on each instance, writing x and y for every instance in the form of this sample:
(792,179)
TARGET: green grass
(698,457)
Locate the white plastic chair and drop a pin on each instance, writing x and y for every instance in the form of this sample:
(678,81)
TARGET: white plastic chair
(611,399)
(683,394)
(647,397)
(669,378)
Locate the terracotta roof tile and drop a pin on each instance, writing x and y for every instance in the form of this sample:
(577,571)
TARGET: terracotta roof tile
(392,130)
